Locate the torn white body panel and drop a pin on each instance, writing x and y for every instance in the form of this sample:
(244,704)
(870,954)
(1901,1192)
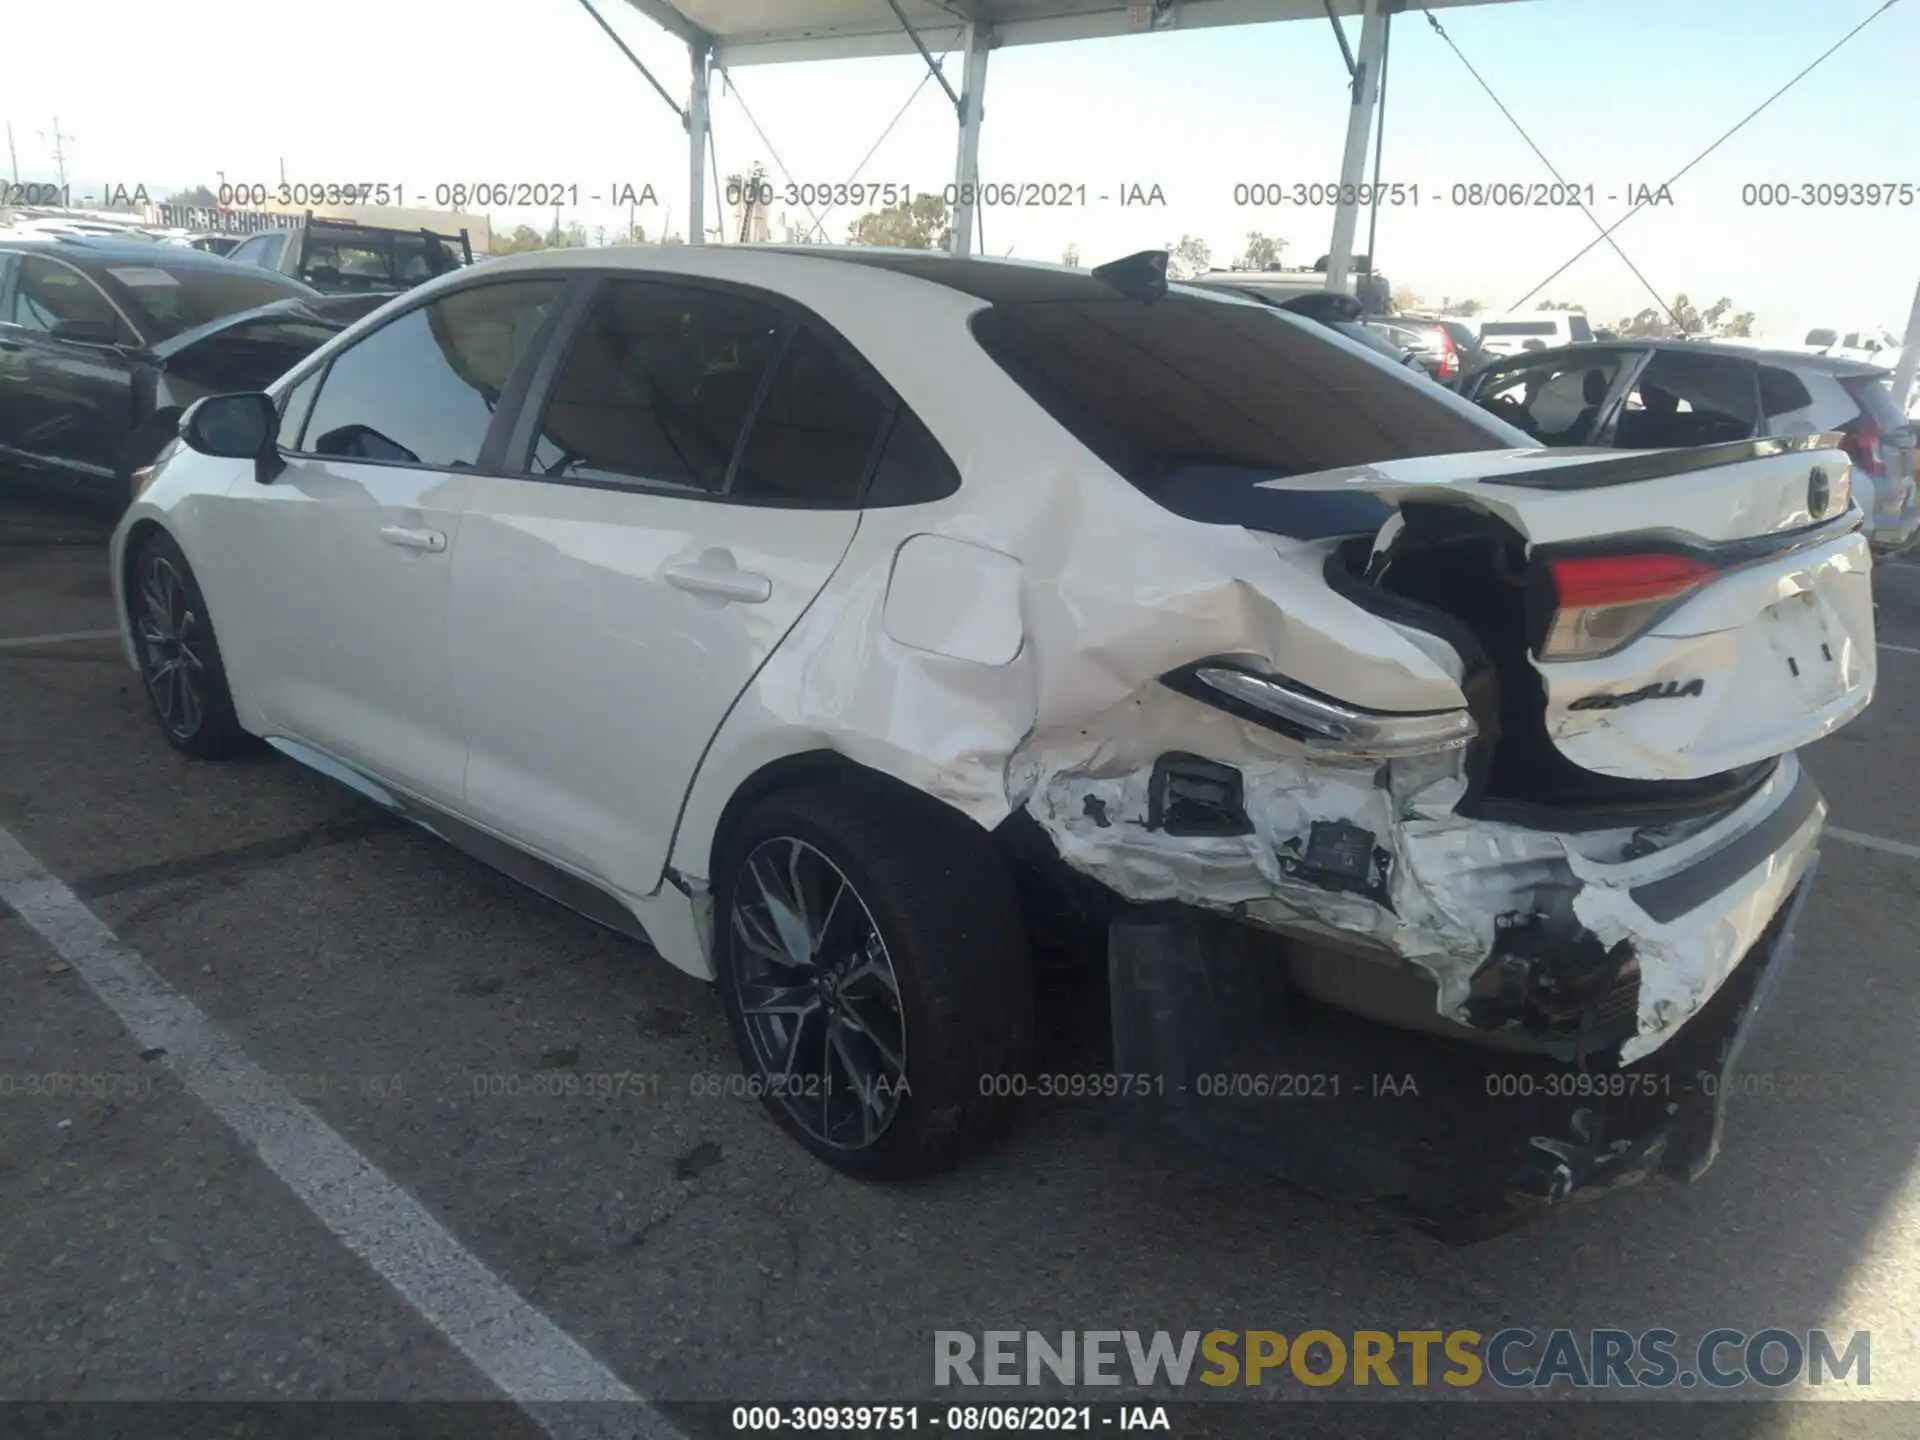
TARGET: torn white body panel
(1446,880)
(1684,962)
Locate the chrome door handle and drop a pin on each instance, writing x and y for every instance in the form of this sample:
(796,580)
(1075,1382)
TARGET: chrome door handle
(432,540)
(715,573)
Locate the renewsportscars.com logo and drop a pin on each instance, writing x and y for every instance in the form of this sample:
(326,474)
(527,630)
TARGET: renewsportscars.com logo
(1514,1358)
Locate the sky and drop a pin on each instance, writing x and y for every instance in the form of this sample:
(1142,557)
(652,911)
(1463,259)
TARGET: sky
(424,93)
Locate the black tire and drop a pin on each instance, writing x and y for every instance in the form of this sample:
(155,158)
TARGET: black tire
(931,886)
(180,665)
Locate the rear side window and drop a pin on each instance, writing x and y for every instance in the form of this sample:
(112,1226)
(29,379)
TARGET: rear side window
(1821,338)
(814,434)
(422,389)
(1689,399)
(1186,384)
(657,387)
(913,468)
(1558,401)
(1782,392)
(1578,327)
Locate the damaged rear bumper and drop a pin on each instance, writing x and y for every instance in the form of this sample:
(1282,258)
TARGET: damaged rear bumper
(1596,944)
(1467,1141)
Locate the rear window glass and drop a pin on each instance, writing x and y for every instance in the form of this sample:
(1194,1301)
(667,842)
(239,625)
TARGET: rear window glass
(1185,384)
(174,298)
(1578,327)
(1821,337)
(1519,327)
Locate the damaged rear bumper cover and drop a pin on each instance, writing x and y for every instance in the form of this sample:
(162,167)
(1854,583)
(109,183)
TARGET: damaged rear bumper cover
(1328,970)
(1580,945)
(1464,1143)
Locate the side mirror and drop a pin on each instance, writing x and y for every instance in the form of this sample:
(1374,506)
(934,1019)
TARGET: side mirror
(86,332)
(236,427)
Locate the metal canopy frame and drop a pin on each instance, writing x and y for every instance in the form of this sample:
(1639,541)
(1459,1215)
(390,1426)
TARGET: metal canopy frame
(720,34)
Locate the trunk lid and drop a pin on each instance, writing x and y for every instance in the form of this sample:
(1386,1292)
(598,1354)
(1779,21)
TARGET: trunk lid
(1690,612)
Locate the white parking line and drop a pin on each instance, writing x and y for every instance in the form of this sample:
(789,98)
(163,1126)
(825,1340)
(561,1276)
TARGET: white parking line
(532,1360)
(23,642)
(1874,842)
(1899,649)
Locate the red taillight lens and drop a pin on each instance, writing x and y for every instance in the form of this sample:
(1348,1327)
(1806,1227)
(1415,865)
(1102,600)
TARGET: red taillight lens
(1603,602)
(1862,445)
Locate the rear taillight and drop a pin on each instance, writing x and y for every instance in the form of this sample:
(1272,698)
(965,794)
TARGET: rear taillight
(1862,444)
(1602,602)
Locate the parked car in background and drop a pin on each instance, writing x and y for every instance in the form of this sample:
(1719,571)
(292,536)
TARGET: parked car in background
(1431,346)
(1533,330)
(1644,395)
(346,257)
(903,604)
(1339,313)
(104,342)
(1874,345)
(1464,334)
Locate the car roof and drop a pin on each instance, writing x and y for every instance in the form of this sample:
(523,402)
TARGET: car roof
(987,278)
(1696,347)
(107,251)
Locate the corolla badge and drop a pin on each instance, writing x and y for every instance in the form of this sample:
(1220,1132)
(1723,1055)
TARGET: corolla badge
(1663,690)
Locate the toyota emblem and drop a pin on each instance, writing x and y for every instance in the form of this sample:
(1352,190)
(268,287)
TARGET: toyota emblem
(1819,493)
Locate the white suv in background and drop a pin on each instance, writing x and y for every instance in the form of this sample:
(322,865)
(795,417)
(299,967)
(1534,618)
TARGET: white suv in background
(1533,330)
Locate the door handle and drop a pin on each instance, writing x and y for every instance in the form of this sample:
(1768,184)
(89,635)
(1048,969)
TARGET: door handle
(431,540)
(716,574)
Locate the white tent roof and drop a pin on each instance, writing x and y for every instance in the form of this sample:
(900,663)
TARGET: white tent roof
(750,32)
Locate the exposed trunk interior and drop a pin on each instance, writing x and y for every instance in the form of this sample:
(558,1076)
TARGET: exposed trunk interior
(1462,574)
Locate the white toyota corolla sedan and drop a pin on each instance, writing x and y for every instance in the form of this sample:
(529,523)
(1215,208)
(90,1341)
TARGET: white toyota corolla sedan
(837,619)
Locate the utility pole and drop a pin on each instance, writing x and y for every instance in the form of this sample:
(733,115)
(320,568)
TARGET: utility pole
(58,141)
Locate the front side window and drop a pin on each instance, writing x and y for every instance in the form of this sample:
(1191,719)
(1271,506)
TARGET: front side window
(657,387)
(50,294)
(422,389)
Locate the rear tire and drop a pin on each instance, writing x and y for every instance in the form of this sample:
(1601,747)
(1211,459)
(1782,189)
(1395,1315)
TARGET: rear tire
(180,665)
(878,1014)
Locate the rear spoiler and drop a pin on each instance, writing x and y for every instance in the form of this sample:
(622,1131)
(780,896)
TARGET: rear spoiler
(1658,464)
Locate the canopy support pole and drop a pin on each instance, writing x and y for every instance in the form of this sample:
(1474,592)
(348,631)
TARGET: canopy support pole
(701,53)
(1909,358)
(966,170)
(1353,161)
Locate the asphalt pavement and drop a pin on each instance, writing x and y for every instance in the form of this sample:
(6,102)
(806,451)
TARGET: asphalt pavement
(315,1139)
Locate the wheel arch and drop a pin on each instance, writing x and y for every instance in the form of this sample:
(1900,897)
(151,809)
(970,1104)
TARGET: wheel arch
(718,800)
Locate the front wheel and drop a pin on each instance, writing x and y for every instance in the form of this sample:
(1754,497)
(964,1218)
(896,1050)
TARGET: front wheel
(185,680)
(872,958)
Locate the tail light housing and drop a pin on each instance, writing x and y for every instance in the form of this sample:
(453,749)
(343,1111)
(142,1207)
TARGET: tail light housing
(1449,354)
(1319,722)
(1862,444)
(1602,603)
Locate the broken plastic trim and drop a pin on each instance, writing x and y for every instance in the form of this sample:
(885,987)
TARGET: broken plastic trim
(1320,722)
